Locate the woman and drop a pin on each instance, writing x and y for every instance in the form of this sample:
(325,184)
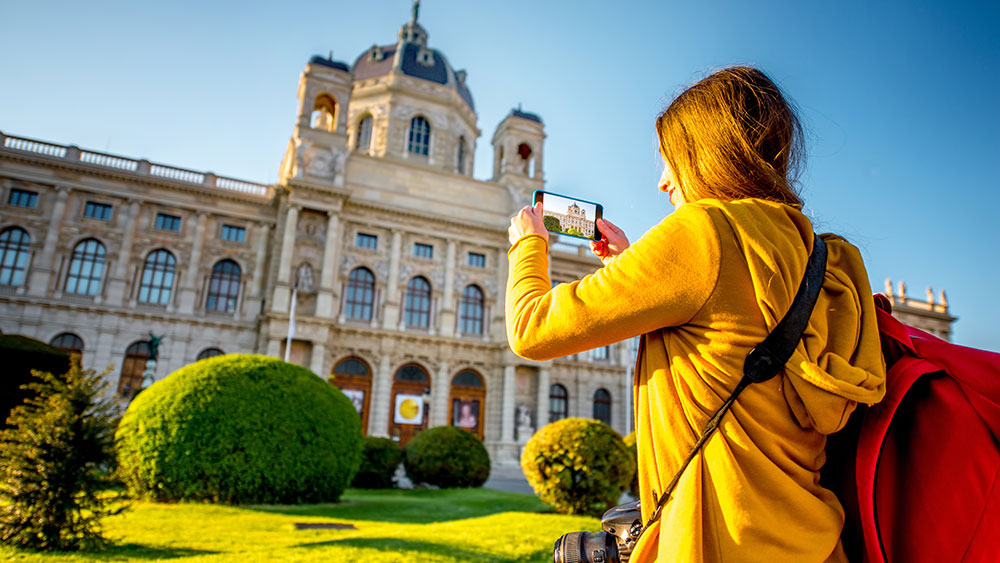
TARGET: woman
(703,287)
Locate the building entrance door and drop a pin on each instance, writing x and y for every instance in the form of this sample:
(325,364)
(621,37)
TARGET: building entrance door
(467,400)
(354,378)
(408,412)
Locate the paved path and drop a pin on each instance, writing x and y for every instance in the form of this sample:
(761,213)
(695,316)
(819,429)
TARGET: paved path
(502,478)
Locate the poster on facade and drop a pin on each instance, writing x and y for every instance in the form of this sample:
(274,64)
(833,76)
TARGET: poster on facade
(409,409)
(357,397)
(465,414)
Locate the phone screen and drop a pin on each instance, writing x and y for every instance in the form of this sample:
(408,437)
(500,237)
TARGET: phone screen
(569,216)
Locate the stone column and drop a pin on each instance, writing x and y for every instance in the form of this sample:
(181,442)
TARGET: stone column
(498,329)
(327,294)
(282,291)
(253,303)
(274,348)
(542,402)
(390,313)
(440,386)
(42,267)
(189,289)
(119,278)
(105,356)
(507,411)
(446,320)
(318,362)
(378,420)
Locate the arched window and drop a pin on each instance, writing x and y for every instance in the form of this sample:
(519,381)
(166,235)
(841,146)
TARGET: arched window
(412,373)
(86,268)
(558,403)
(157,278)
(210,353)
(69,343)
(467,378)
(602,406)
(460,156)
(352,367)
(418,303)
(135,363)
(420,136)
(468,399)
(13,256)
(365,133)
(472,310)
(527,162)
(360,298)
(224,287)
(324,113)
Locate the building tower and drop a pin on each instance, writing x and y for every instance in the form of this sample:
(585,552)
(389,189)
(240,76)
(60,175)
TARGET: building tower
(517,155)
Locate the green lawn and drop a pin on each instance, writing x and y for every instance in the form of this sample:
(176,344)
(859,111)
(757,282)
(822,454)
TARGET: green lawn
(395,525)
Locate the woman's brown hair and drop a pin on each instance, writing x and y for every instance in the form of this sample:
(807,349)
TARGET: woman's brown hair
(732,136)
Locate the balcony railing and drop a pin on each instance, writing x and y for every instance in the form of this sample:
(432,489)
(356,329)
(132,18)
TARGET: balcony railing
(133,166)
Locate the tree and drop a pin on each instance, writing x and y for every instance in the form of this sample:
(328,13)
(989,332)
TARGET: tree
(552,224)
(54,463)
(572,231)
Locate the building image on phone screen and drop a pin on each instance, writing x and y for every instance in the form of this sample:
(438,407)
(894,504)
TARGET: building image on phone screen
(574,218)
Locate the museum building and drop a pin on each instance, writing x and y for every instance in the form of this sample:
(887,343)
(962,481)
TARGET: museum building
(377,245)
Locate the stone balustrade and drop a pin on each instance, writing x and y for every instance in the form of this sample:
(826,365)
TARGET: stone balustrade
(137,167)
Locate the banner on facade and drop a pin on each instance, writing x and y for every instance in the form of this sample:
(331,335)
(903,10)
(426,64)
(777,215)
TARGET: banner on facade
(409,409)
(357,397)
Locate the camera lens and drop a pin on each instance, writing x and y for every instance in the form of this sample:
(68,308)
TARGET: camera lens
(584,547)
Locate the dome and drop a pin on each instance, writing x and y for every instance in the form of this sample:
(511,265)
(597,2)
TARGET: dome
(412,57)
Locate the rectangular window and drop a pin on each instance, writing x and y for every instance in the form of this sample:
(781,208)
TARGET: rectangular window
(233,233)
(365,240)
(96,210)
(477,260)
(423,250)
(23,198)
(166,222)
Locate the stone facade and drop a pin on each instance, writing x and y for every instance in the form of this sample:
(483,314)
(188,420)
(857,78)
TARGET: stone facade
(394,254)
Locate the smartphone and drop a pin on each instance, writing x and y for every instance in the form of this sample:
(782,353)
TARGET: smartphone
(570,216)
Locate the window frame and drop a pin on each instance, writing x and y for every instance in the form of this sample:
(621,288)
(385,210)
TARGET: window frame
(88,260)
(15,196)
(91,208)
(157,278)
(602,403)
(555,399)
(423,250)
(168,221)
(417,303)
(224,287)
(365,305)
(470,262)
(230,229)
(364,133)
(419,136)
(15,256)
(472,311)
(361,241)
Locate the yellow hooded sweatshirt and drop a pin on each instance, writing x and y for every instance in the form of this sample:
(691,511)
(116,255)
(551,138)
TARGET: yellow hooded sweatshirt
(704,286)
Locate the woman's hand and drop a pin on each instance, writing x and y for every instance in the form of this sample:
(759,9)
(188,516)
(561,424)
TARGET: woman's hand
(613,241)
(527,221)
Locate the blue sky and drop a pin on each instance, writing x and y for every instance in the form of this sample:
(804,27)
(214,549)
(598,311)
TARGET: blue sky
(899,99)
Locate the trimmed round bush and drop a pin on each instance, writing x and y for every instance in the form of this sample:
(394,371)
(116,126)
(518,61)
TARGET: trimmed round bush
(240,429)
(578,466)
(446,456)
(380,457)
(633,488)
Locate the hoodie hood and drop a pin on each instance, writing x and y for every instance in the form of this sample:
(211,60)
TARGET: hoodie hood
(821,386)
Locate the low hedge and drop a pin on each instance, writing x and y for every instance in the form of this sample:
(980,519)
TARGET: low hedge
(240,429)
(380,457)
(578,466)
(446,456)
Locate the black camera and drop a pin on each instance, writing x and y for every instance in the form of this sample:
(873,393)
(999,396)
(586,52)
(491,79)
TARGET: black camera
(622,526)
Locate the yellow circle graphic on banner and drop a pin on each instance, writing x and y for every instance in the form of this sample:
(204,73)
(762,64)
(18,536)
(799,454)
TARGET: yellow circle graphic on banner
(409,409)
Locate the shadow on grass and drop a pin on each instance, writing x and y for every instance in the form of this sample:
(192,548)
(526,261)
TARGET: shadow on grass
(408,550)
(412,506)
(130,551)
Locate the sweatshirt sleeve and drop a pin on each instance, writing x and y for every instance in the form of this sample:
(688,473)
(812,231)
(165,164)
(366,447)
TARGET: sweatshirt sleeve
(662,280)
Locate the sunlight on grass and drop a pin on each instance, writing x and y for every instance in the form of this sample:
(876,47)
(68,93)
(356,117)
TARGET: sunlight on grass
(452,525)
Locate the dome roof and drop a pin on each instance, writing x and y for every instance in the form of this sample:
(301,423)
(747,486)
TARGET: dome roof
(412,57)
(329,62)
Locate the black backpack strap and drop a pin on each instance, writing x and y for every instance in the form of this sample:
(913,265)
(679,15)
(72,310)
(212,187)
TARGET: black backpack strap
(768,358)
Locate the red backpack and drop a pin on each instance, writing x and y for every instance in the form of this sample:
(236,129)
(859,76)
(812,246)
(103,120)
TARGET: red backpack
(919,472)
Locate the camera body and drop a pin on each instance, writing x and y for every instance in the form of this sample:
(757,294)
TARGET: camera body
(622,526)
